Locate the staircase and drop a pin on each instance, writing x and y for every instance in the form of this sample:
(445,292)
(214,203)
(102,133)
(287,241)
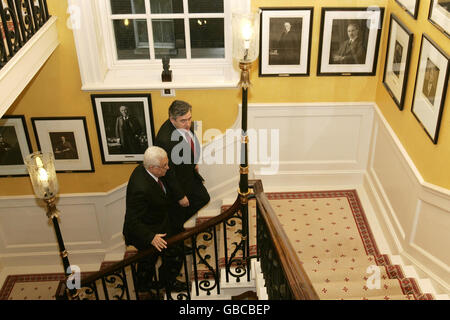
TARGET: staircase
(279,269)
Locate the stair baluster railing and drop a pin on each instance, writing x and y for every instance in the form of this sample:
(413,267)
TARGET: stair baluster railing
(235,252)
(111,282)
(283,273)
(19,21)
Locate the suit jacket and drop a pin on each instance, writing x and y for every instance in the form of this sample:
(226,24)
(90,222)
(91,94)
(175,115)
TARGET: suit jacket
(147,209)
(181,174)
(353,53)
(289,48)
(127,131)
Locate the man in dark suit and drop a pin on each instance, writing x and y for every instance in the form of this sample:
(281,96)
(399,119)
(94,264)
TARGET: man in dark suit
(352,51)
(128,131)
(288,46)
(176,136)
(147,221)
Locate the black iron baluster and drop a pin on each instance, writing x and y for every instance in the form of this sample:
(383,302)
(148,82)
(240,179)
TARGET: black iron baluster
(205,283)
(38,14)
(125,283)
(225,244)
(238,261)
(216,254)
(105,290)
(3,53)
(194,261)
(133,267)
(43,5)
(14,11)
(24,18)
(246,239)
(186,277)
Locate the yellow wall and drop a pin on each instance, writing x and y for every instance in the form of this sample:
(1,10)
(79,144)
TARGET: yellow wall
(432,161)
(55,91)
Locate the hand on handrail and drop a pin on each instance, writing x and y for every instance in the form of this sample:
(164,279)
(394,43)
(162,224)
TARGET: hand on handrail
(158,242)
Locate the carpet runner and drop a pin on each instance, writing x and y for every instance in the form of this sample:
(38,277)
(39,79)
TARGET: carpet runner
(333,240)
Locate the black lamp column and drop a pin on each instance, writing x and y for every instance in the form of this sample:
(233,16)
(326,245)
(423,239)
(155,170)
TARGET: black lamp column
(245,50)
(53,214)
(243,181)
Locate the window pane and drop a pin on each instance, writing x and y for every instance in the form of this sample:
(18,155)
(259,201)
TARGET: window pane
(166,6)
(131,39)
(127,6)
(168,38)
(207,38)
(202,6)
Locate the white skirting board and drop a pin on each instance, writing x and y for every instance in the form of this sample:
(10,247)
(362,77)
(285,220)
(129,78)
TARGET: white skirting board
(313,146)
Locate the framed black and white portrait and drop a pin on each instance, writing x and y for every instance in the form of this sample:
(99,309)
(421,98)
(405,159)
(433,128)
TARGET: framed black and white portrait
(439,15)
(349,41)
(14,146)
(410,6)
(397,61)
(285,41)
(124,126)
(68,139)
(431,87)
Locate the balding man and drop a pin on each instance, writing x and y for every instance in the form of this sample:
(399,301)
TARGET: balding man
(147,221)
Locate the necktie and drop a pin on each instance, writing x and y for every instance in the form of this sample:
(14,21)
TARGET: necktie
(161,185)
(191,142)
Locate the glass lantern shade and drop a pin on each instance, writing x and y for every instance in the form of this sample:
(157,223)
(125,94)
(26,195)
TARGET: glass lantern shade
(41,168)
(245,36)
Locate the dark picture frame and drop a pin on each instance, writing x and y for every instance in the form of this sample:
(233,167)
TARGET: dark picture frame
(68,139)
(124,125)
(410,6)
(398,57)
(338,56)
(430,87)
(439,15)
(15,145)
(285,41)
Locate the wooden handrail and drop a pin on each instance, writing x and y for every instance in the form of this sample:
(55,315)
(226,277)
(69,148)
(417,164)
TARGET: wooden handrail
(299,282)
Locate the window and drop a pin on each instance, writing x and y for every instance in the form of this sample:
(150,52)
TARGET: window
(156,28)
(120,43)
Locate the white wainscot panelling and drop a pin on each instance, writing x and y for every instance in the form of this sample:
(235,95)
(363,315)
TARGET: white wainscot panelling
(79,224)
(26,225)
(431,236)
(114,211)
(28,237)
(394,182)
(316,142)
(414,215)
(435,219)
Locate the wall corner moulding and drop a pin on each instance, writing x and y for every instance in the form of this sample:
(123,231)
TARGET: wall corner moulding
(19,71)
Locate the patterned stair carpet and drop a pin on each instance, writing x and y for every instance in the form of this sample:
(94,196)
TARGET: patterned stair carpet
(31,287)
(332,238)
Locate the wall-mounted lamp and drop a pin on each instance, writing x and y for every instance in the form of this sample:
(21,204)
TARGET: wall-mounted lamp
(41,168)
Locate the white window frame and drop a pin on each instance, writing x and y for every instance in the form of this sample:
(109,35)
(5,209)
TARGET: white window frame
(101,70)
